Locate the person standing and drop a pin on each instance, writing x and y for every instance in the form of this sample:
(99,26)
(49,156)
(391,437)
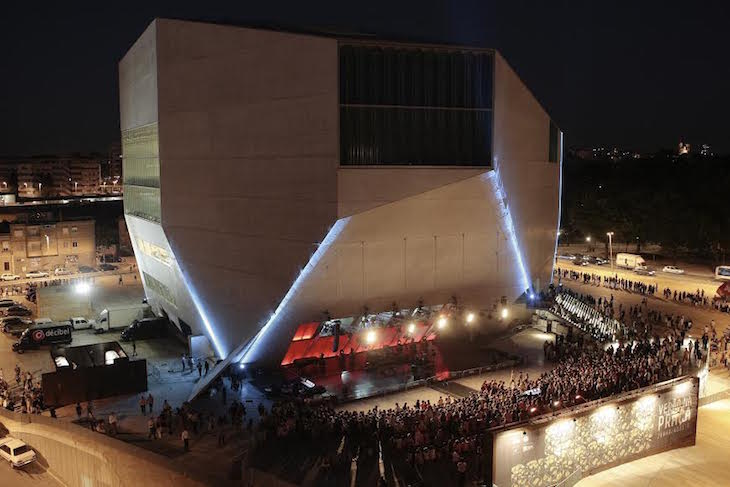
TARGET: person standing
(78,410)
(151,428)
(185,436)
(182,359)
(112,423)
(200,369)
(142,404)
(134,348)
(207,366)
(150,402)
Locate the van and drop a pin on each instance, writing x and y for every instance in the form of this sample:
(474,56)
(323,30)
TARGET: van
(46,334)
(145,328)
(81,323)
(630,261)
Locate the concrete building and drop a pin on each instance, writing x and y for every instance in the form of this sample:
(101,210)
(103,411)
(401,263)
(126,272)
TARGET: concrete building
(270,176)
(58,176)
(84,176)
(43,177)
(44,247)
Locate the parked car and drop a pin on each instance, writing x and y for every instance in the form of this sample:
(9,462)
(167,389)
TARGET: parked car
(33,274)
(15,325)
(108,267)
(16,451)
(81,323)
(145,328)
(644,271)
(17,310)
(61,271)
(86,269)
(6,303)
(601,261)
(9,277)
(566,257)
(672,269)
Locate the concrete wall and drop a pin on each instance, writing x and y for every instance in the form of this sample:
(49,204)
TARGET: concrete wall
(450,241)
(361,188)
(79,457)
(248,159)
(531,183)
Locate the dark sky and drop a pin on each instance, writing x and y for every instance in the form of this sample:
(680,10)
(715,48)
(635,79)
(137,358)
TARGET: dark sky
(637,74)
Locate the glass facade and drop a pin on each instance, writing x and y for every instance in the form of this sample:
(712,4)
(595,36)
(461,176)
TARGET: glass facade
(158,287)
(141,169)
(155,251)
(415,106)
(143,202)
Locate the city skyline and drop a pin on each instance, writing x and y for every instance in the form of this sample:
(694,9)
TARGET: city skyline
(637,67)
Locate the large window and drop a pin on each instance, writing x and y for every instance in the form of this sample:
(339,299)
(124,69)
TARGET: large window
(155,251)
(141,162)
(140,149)
(142,202)
(415,106)
(158,287)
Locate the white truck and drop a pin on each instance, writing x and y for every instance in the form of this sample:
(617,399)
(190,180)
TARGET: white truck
(121,317)
(630,261)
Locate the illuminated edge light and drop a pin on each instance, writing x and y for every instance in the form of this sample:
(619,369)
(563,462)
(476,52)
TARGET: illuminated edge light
(326,243)
(560,206)
(509,227)
(203,315)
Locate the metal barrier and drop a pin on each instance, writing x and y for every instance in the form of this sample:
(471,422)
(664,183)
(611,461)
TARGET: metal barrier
(450,375)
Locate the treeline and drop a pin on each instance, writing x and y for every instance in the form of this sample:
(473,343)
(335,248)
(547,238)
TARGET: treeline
(682,204)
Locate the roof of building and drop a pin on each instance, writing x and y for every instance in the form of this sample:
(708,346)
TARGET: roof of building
(353,37)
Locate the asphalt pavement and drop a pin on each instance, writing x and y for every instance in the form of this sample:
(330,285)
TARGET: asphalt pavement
(33,474)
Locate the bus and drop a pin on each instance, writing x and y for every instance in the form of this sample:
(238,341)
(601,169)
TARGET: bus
(722,273)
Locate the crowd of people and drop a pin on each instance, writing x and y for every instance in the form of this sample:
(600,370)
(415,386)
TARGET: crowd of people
(697,298)
(448,435)
(26,395)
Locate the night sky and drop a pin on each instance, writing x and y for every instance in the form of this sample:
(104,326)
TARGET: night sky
(638,75)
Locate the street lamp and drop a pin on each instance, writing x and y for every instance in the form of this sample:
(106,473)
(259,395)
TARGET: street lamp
(610,247)
(588,239)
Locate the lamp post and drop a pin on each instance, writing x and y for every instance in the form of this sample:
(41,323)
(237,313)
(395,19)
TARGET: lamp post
(610,247)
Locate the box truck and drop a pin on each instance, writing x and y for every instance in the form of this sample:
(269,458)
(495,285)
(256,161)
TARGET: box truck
(630,261)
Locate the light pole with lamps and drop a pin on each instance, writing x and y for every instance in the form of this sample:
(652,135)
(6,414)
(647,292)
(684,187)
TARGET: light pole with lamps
(610,247)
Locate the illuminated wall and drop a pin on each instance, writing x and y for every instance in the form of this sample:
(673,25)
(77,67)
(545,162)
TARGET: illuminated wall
(237,174)
(599,436)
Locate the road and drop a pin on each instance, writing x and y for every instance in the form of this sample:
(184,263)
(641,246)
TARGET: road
(123,269)
(30,475)
(679,282)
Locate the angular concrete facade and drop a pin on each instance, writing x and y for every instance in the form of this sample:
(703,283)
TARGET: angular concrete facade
(252,223)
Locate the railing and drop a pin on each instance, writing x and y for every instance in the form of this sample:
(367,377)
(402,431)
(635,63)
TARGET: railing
(570,480)
(450,375)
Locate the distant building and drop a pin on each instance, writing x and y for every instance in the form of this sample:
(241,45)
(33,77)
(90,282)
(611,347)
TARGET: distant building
(42,177)
(706,151)
(57,176)
(85,177)
(111,174)
(683,148)
(47,246)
